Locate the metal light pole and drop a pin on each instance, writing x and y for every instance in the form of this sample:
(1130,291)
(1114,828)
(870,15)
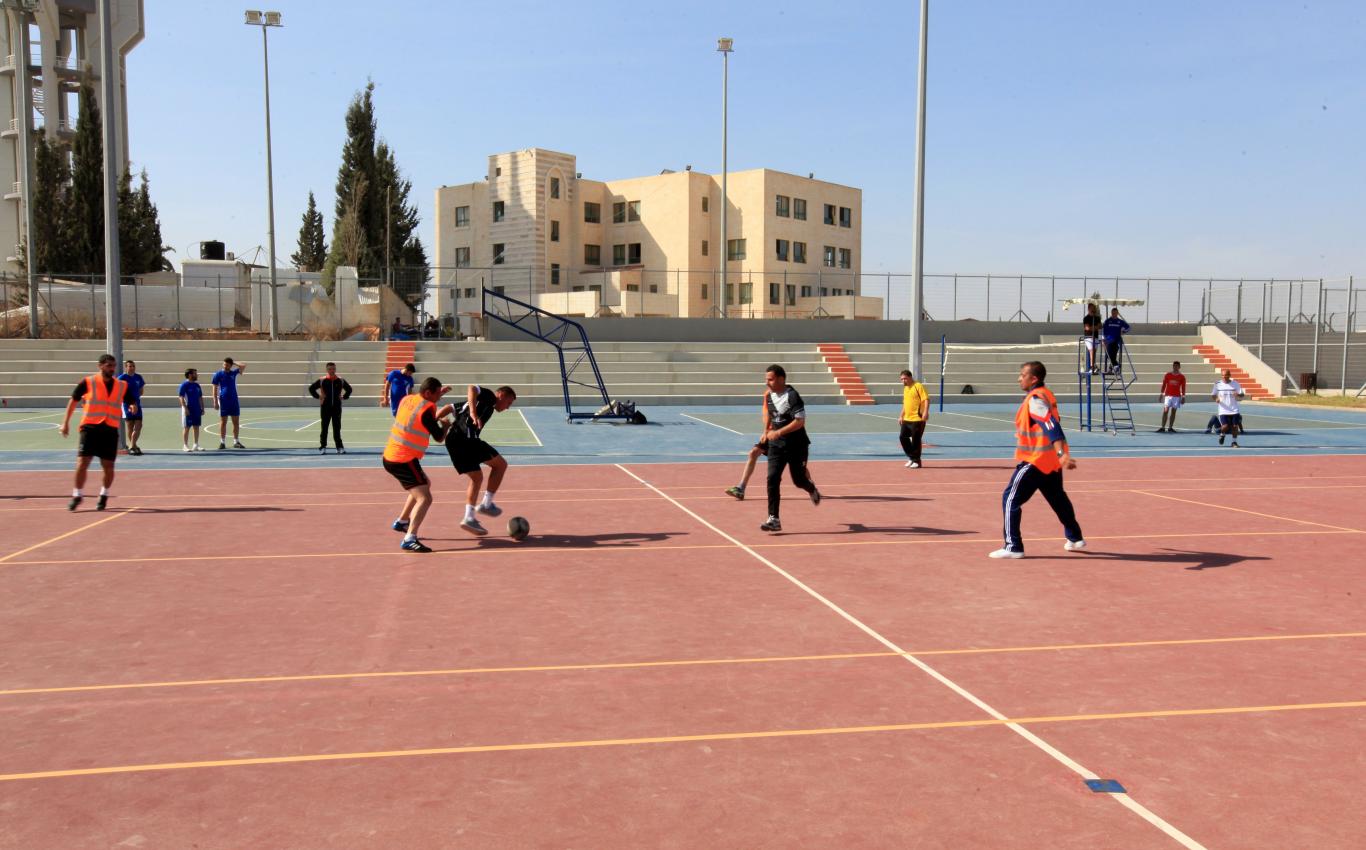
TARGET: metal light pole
(265,20)
(918,279)
(21,9)
(113,300)
(723,46)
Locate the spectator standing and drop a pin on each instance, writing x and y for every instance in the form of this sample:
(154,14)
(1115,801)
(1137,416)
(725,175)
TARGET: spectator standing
(191,409)
(1090,333)
(331,390)
(226,403)
(915,413)
(397,384)
(103,396)
(1226,394)
(1113,331)
(132,404)
(1173,396)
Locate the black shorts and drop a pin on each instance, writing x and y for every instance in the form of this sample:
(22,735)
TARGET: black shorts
(1227,420)
(762,446)
(101,441)
(408,472)
(467,454)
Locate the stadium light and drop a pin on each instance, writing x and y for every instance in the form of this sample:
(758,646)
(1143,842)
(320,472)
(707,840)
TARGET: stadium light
(264,20)
(724,46)
(916,359)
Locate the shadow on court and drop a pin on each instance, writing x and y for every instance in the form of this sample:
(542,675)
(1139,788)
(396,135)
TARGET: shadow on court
(234,509)
(861,498)
(1193,559)
(615,540)
(860,528)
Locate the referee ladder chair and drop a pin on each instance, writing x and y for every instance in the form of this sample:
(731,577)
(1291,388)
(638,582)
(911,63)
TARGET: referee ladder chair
(1116,413)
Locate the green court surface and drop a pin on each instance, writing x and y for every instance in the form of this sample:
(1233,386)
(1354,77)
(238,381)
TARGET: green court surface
(264,428)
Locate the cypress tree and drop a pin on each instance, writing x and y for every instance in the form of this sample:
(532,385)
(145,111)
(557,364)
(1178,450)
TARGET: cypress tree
(85,203)
(151,253)
(312,253)
(355,179)
(51,177)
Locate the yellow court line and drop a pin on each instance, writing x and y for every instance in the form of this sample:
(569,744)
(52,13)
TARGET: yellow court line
(696,662)
(1245,511)
(672,739)
(101,521)
(651,547)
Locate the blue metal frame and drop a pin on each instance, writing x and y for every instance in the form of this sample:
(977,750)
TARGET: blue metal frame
(557,331)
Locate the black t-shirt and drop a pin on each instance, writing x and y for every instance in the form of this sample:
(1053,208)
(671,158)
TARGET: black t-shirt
(484,403)
(433,425)
(79,393)
(784,408)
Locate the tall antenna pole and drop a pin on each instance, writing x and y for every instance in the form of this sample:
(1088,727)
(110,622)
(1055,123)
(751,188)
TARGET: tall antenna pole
(918,281)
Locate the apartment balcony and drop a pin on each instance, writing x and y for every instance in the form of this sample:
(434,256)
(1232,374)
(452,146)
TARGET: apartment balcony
(7,64)
(17,192)
(10,130)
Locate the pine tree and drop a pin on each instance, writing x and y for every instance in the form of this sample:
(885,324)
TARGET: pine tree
(84,214)
(51,178)
(355,177)
(400,224)
(150,250)
(130,247)
(312,253)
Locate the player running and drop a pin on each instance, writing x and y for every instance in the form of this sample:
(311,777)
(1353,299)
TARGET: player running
(103,396)
(468,452)
(1226,394)
(417,424)
(788,445)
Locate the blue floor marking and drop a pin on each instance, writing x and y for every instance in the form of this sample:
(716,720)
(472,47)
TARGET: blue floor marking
(1105,786)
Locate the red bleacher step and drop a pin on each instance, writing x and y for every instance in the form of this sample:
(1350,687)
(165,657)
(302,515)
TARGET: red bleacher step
(845,373)
(1220,361)
(399,354)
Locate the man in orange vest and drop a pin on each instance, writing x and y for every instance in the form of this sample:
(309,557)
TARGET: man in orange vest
(1041,450)
(417,423)
(103,395)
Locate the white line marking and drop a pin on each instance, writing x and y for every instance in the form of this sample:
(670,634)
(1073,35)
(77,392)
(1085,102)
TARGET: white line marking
(927,424)
(712,424)
(29,419)
(309,425)
(976,416)
(529,428)
(1124,799)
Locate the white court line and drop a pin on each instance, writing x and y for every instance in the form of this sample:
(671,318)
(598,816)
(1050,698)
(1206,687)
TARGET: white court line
(309,425)
(712,424)
(1124,799)
(976,416)
(529,428)
(928,424)
(30,418)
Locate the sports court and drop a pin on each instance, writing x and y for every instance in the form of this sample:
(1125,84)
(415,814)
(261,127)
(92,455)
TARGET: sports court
(238,654)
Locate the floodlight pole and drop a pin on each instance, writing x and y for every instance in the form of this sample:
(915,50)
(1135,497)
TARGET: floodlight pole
(724,47)
(264,22)
(113,300)
(918,261)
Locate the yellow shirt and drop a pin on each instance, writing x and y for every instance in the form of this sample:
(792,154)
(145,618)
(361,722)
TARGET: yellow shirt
(911,399)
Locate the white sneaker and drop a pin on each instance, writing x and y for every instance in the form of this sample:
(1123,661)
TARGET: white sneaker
(186,448)
(1074,545)
(1006,553)
(198,447)
(913,465)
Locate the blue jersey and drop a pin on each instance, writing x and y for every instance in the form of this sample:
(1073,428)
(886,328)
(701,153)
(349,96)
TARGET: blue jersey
(134,393)
(193,394)
(1113,328)
(400,385)
(226,381)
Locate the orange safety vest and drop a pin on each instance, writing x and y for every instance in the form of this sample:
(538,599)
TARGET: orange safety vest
(103,407)
(1031,443)
(408,438)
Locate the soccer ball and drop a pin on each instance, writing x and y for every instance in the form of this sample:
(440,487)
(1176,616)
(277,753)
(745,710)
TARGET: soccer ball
(518,528)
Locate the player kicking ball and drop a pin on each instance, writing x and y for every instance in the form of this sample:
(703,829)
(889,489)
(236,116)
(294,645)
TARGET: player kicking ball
(469,453)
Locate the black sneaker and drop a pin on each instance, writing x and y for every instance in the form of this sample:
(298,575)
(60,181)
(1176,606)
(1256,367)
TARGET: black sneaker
(134,450)
(1235,444)
(74,503)
(736,493)
(222,446)
(102,502)
(1221,439)
(816,498)
(772,524)
(237,444)
(322,450)
(414,545)
(341,450)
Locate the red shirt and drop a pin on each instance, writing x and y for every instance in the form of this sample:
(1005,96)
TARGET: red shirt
(1173,384)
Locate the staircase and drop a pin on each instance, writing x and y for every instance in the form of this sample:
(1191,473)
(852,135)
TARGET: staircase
(398,355)
(1219,361)
(846,375)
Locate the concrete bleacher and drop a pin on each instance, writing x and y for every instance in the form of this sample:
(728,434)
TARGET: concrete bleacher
(41,373)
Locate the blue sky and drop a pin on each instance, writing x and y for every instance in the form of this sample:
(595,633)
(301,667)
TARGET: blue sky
(1135,138)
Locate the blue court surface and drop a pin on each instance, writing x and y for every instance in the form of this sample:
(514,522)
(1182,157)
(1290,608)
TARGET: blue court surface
(287,437)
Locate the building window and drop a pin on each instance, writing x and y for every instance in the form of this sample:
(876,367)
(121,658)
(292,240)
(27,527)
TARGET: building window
(462,216)
(469,292)
(829,213)
(781,249)
(462,258)
(554,274)
(705,247)
(498,171)
(704,292)
(498,210)
(846,217)
(618,255)
(799,209)
(633,254)
(706,204)
(791,295)
(592,213)
(554,231)
(798,252)
(498,248)
(555,187)
(783,208)
(592,255)
(633,211)
(828,257)
(576,289)
(619,212)
(806,292)
(746,293)
(825,293)
(632,287)
(735,249)
(773,290)
(654,288)
(846,258)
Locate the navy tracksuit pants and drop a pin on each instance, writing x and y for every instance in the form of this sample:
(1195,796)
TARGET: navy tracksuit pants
(1024,482)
